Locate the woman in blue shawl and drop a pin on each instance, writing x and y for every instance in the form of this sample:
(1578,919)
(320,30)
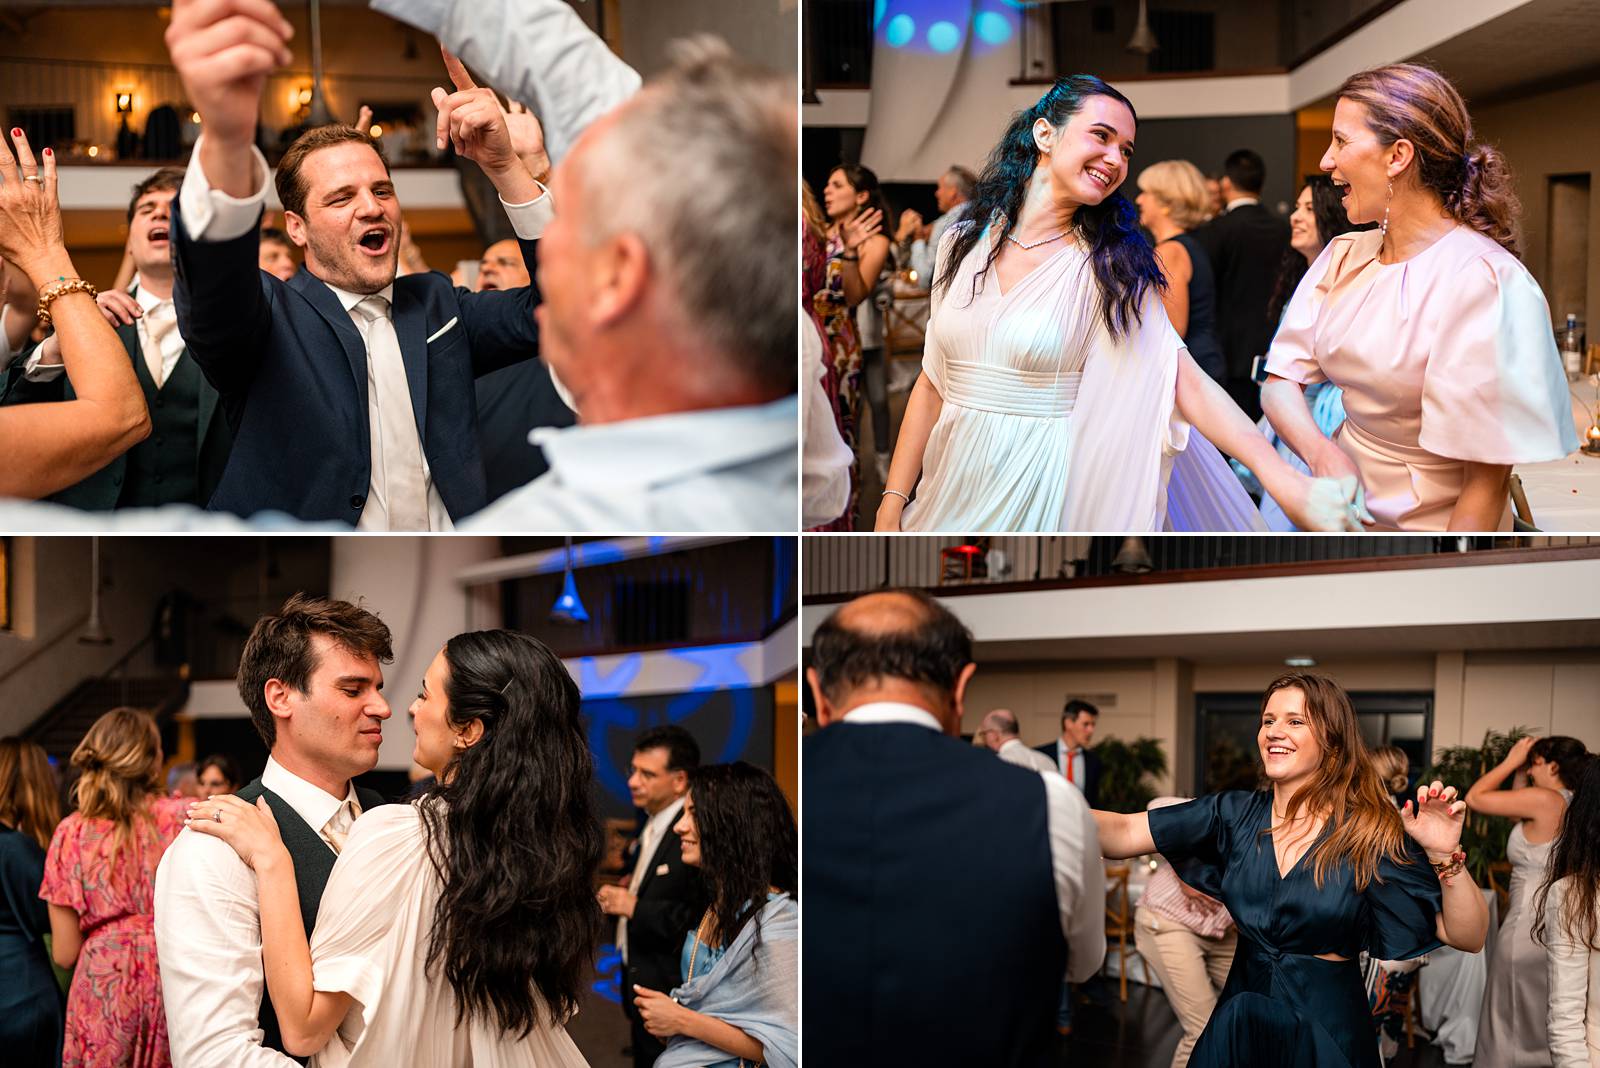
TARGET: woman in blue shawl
(738,1002)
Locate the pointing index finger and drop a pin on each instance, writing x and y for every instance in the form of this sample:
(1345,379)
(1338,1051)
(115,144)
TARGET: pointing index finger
(458,73)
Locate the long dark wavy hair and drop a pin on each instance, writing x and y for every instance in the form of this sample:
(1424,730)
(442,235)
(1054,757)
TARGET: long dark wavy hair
(1328,209)
(747,843)
(511,829)
(1125,266)
(865,180)
(1570,757)
(1576,853)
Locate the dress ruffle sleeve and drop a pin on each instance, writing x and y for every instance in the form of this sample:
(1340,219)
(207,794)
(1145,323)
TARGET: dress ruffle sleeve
(365,898)
(1293,353)
(1195,836)
(1403,905)
(1494,391)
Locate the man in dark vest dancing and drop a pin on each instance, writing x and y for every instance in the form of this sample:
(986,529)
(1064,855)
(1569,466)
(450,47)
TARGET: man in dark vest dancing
(949,892)
(312,677)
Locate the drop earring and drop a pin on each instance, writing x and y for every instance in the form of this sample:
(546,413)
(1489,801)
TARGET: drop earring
(1383,227)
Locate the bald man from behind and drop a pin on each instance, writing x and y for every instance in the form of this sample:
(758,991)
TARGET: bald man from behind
(935,876)
(999,731)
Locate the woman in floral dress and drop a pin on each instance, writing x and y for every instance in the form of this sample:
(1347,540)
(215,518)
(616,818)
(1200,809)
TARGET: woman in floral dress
(99,879)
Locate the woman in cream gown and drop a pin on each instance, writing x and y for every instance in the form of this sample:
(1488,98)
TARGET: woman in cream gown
(1435,331)
(1055,394)
(478,896)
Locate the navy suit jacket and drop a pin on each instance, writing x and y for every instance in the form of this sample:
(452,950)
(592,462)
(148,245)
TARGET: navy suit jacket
(291,368)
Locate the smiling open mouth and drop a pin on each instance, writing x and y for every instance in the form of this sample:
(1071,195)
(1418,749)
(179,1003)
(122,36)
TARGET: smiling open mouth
(1098,175)
(159,233)
(375,241)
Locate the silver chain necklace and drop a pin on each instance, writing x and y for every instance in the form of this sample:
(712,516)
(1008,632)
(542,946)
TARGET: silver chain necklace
(1013,239)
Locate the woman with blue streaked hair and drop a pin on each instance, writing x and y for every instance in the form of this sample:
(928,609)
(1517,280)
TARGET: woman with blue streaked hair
(1054,393)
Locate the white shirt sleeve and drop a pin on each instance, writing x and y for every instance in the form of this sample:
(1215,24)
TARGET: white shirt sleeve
(1567,964)
(530,219)
(212,215)
(34,369)
(208,942)
(538,52)
(1080,876)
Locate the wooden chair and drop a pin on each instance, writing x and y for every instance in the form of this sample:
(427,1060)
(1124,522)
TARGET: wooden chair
(1521,513)
(1119,921)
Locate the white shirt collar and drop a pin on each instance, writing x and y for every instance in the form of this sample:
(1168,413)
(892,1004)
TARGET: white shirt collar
(1236,201)
(349,300)
(667,816)
(148,300)
(1008,743)
(311,803)
(879,712)
(666,448)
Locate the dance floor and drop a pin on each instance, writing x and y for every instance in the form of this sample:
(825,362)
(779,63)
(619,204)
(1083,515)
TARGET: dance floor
(1144,1032)
(600,1029)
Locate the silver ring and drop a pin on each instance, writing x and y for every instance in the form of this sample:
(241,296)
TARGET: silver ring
(217,816)
(32,178)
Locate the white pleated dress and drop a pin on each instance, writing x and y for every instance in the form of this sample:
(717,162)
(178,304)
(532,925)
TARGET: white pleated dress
(1049,423)
(371,942)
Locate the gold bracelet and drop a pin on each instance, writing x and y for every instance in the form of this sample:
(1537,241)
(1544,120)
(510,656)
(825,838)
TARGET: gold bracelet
(60,288)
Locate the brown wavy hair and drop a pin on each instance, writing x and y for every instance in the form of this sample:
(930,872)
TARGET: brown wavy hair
(1418,104)
(28,799)
(1576,858)
(120,758)
(1363,825)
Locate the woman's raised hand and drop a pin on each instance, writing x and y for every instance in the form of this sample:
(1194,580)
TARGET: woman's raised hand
(30,214)
(865,225)
(1434,820)
(251,830)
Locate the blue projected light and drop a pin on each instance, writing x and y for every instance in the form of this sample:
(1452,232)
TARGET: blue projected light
(944,37)
(901,29)
(992,27)
(609,966)
(879,9)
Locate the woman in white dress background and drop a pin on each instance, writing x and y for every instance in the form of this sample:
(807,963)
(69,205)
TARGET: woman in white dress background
(456,929)
(1438,335)
(1055,395)
(1511,1031)
(1567,923)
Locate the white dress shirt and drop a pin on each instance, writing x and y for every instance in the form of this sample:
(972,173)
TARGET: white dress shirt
(1080,875)
(722,469)
(212,215)
(1014,752)
(924,253)
(1078,768)
(1236,201)
(208,938)
(656,828)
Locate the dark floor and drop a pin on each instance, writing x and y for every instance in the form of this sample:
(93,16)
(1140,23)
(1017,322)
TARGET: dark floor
(600,1030)
(1144,1032)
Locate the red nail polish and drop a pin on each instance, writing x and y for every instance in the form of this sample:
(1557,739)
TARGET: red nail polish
(48,152)
(16,131)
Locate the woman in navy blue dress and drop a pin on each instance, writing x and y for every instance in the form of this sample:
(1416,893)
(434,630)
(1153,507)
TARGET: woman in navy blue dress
(1314,870)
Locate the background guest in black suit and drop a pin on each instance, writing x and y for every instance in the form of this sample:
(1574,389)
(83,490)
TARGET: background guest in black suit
(665,897)
(183,458)
(949,892)
(1078,721)
(349,390)
(1245,244)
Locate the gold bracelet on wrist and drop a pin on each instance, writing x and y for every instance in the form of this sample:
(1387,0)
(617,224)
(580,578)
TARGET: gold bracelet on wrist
(60,288)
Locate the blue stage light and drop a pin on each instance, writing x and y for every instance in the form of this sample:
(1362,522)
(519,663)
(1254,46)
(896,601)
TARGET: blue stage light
(992,27)
(901,29)
(944,37)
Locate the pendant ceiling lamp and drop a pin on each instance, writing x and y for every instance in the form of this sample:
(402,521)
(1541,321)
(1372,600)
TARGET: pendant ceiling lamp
(94,632)
(1143,41)
(568,609)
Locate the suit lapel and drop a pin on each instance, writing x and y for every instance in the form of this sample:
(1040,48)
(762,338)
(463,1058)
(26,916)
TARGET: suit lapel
(317,293)
(410,328)
(658,857)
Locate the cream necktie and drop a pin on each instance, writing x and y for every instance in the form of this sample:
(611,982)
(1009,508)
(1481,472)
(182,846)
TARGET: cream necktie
(158,323)
(405,490)
(337,829)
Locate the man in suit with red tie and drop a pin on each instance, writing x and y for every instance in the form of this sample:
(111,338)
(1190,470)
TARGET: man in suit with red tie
(665,897)
(1077,762)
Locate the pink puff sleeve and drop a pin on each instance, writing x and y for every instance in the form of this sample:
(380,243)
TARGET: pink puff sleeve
(1493,391)
(1292,354)
(63,866)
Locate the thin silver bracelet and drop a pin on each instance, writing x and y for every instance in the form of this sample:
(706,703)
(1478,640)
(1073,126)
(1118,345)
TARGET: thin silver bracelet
(897,493)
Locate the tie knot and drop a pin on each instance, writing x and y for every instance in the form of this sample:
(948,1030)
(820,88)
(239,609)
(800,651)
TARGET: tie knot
(373,308)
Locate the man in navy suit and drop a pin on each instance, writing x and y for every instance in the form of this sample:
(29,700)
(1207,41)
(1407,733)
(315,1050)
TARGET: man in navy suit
(350,391)
(949,892)
(1071,754)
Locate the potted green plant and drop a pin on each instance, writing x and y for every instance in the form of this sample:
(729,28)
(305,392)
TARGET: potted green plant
(1125,768)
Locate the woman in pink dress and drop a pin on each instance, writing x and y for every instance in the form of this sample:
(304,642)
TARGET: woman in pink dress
(1436,332)
(99,879)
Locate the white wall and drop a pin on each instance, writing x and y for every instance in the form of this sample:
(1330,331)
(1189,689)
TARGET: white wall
(764,32)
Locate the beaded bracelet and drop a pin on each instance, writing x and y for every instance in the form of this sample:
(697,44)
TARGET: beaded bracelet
(1448,869)
(60,288)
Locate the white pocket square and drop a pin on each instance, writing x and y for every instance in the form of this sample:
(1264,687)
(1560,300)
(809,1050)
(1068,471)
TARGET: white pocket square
(661,869)
(446,328)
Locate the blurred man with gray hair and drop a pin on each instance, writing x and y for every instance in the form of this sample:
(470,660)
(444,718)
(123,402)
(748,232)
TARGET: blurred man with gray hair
(668,280)
(999,732)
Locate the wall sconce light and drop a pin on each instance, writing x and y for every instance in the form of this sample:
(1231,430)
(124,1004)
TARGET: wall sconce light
(300,96)
(124,101)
